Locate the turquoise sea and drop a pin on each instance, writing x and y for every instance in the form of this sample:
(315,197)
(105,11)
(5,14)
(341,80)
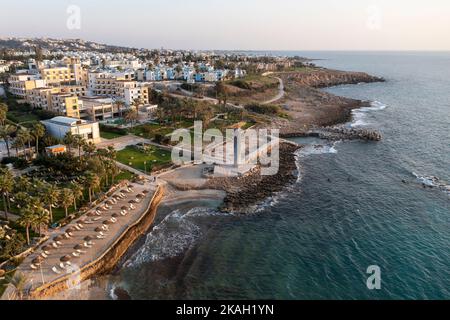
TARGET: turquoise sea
(355,204)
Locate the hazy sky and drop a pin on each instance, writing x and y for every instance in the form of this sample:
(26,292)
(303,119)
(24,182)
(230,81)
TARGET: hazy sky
(239,24)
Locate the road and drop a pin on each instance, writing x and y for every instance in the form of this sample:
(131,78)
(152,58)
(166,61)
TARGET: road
(280,92)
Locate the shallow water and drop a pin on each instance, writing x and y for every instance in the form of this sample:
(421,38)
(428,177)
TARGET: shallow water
(355,204)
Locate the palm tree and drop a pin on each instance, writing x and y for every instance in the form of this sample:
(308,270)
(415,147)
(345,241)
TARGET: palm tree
(38,132)
(18,281)
(131,116)
(77,191)
(41,218)
(3,113)
(120,104)
(66,199)
(22,184)
(92,183)
(26,220)
(5,133)
(6,186)
(69,140)
(89,148)
(25,137)
(50,196)
(79,143)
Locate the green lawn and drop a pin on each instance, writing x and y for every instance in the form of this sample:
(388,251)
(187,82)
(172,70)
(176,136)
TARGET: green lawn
(110,135)
(150,130)
(19,117)
(135,158)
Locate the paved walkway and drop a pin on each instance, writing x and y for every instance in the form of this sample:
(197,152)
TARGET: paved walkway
(45,274)
(280,94)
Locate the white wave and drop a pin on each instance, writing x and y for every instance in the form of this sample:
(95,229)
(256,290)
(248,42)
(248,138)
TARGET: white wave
(313,149)
(175,234)
(359,115)
(434,182)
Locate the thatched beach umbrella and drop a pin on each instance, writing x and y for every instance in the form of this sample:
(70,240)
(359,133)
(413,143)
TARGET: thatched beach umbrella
(88,238)
(132,201)
(107,222)
(130,186)
(46,248)
(78,247)
(145,192)
(71,229)
(124,208)
(98,229)
(65,259)
(115,215)
(91,214)
(140,196)
(37,261)
(58,238)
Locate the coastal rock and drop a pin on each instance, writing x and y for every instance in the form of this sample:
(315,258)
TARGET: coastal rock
(249,190)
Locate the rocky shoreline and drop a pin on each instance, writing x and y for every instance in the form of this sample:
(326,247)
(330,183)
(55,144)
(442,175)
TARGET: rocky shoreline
(243,192)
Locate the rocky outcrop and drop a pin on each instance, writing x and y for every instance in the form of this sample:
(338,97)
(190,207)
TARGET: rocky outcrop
(322,78)
(343,133)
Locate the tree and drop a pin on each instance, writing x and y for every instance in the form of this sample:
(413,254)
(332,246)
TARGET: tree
(120,104)
(89,148)
(38,132)
(26,220)
(6,185)
(5,133)
(79,143)
(131,116)
(41,218)
(50,196)
(25,137)
(221,92)
(77,191)
(69,140)
(3,113)
(67,199)
(18,281)
(92,183)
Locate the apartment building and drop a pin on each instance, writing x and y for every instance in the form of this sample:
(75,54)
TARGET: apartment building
(21,83)
(99,109)
(66,104)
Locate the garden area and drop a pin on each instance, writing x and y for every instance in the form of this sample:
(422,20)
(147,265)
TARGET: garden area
(145,158)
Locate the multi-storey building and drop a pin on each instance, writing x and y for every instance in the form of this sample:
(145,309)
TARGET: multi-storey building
(22,83)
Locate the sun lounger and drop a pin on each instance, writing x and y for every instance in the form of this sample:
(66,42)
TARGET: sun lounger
(62,266)
(87,245)
(75,254)
(77,227)
(88,222)
(96,219)
(54,245)
(100,237)
(43,255)
(32,266)
(81,251)
(55,270)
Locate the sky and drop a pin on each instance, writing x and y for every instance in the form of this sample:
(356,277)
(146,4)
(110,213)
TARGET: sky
(236,24)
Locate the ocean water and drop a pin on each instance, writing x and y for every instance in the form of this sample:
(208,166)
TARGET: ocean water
(355,204)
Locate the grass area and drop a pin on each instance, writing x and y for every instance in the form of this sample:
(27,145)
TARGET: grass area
(19,116)
(110,135)
(135,157)
(150,130)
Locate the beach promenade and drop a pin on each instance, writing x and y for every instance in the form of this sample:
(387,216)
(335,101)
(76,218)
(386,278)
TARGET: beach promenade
(89,244)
